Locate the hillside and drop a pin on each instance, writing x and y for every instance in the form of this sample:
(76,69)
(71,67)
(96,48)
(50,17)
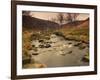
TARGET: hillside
(85,24)
(35,23)
(80,24)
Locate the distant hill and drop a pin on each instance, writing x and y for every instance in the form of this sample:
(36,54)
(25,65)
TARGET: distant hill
(85,24)
(29,22)
(77,24)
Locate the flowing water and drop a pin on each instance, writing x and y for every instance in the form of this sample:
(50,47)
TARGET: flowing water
(61,53)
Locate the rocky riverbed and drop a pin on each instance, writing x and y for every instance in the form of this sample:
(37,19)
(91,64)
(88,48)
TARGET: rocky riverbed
(57,52)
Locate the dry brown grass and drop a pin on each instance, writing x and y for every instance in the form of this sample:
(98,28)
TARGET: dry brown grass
(81,34)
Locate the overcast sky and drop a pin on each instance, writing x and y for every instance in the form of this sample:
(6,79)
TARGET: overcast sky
(48,15)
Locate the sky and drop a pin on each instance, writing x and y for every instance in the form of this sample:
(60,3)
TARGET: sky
(48,15)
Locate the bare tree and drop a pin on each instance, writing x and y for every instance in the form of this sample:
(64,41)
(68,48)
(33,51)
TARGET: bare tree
(27,13)
(60,17)
(71,17)
(54,19)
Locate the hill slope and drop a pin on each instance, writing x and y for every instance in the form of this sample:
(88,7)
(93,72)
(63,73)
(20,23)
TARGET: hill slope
(77,24)
(35,23)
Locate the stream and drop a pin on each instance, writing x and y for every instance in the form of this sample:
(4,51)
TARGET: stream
(60,52)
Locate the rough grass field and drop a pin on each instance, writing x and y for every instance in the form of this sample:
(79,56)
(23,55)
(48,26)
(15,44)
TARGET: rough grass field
(77,34)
